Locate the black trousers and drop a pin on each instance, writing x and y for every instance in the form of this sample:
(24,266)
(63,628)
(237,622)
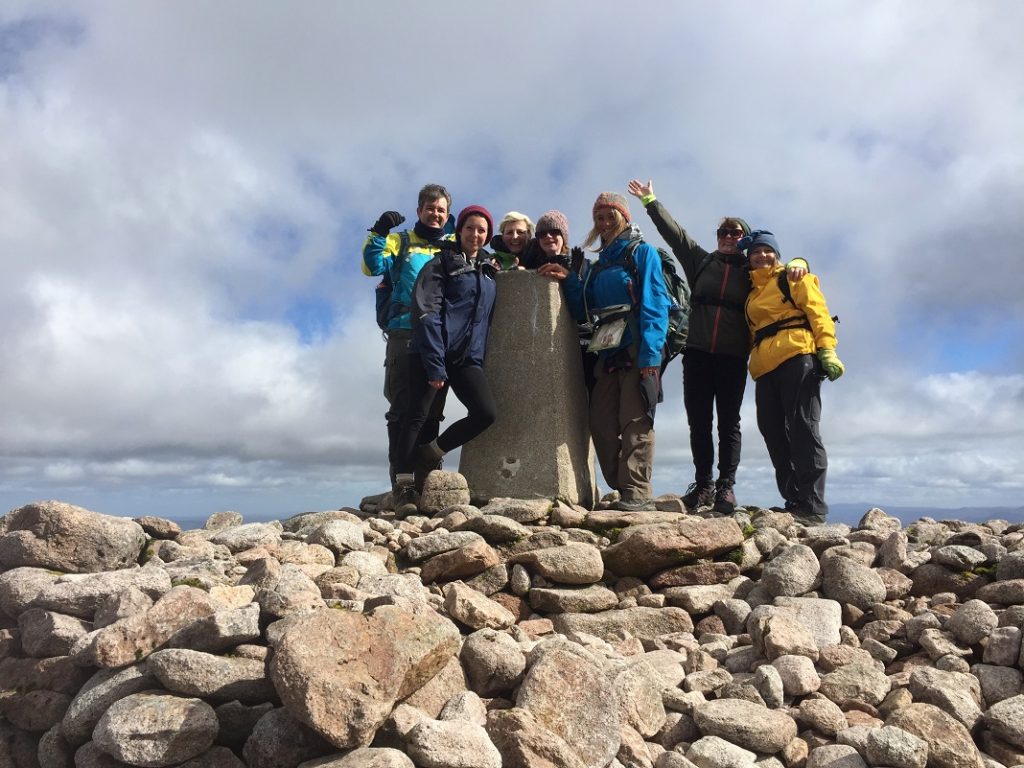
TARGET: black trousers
(788,412)
(714,382)
(469,385)
(399,397)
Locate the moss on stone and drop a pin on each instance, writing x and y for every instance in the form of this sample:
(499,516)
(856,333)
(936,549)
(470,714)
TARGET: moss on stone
(189,582)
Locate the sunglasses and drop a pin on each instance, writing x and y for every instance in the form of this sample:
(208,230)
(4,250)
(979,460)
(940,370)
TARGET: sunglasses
(730,232)
(548,233)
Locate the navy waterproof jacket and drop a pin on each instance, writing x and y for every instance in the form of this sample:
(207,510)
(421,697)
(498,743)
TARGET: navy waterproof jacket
(452,308)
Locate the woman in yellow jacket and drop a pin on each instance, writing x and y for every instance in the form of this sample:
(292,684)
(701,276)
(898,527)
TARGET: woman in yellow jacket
(794,340)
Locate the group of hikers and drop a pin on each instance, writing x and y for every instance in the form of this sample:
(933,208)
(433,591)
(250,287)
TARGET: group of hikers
(748,310)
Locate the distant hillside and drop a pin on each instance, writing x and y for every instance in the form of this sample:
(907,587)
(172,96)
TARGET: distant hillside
(851,513)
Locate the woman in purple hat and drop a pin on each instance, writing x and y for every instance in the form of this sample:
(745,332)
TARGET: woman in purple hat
(452,309)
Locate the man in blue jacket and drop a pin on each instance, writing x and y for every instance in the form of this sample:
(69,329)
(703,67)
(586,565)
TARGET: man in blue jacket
(401,256)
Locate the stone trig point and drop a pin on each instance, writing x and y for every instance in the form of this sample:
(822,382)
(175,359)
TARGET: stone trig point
(540,444)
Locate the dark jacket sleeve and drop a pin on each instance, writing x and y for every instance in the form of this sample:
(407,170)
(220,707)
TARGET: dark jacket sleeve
(428,336)
(687,252)
(572,290)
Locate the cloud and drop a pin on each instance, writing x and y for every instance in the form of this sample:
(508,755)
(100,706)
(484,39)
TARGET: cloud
(187,189)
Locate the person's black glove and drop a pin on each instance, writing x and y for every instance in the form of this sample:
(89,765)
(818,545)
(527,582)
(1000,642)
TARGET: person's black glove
(387,221)
(576,264)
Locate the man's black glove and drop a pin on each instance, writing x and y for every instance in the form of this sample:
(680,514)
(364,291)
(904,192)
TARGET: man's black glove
(387,221)
(576,264)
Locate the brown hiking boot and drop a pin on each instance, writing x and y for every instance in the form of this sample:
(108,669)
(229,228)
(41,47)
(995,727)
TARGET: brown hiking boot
(699,495)
(725,499)
(404,491)
(428,458)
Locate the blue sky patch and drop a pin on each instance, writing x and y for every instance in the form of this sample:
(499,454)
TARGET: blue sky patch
(20,37)
(312,317)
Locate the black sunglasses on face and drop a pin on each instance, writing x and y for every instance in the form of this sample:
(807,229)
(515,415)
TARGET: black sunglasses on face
(730,233)
(548,233)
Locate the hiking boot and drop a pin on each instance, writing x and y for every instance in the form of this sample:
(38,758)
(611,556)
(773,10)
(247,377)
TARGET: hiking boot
(725,499)
(634,505)
(809,521)
(699,495)
(803,515)
(404,491)
(790,506)
(808,518)
(428,458)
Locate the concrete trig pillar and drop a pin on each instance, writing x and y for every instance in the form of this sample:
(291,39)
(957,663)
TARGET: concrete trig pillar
(539,447)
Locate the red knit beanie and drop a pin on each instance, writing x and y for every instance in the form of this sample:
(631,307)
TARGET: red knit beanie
(613,200)
(475,210)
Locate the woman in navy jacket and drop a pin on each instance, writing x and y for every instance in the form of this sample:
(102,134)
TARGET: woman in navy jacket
(452,308)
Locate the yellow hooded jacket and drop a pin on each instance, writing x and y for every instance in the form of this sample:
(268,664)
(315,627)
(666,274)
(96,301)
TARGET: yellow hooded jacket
(766,305)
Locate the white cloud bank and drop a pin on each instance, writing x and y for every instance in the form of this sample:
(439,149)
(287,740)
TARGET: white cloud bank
(183,182)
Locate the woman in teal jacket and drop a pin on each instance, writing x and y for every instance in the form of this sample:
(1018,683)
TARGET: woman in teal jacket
(629,305)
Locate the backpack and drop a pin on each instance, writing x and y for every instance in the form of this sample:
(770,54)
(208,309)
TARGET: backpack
(679,293)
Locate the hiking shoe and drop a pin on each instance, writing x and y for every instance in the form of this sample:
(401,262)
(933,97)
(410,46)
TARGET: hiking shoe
(404,491)
(725,499)
(802,514)
(699,495)
(808,518)
(634,505)
(428,458)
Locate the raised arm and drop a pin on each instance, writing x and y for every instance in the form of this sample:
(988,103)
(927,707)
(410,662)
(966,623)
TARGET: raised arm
(381,247)
(687,252)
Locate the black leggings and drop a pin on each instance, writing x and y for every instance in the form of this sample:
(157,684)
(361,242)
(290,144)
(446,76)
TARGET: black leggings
(714,381)
(469,385)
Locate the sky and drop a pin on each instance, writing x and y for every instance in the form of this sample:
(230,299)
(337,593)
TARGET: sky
(185,189)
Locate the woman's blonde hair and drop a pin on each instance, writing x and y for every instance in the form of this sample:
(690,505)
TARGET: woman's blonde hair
(516,216)
(594,236)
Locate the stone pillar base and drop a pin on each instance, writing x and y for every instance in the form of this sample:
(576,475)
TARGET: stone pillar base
(539,447)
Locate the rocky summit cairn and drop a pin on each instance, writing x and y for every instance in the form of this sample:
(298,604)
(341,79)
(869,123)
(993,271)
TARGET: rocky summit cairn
(536,447)
(525,633)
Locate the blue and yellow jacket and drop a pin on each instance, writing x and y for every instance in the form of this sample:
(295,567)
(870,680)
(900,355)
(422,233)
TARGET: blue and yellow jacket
(608,283)
(379,254)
